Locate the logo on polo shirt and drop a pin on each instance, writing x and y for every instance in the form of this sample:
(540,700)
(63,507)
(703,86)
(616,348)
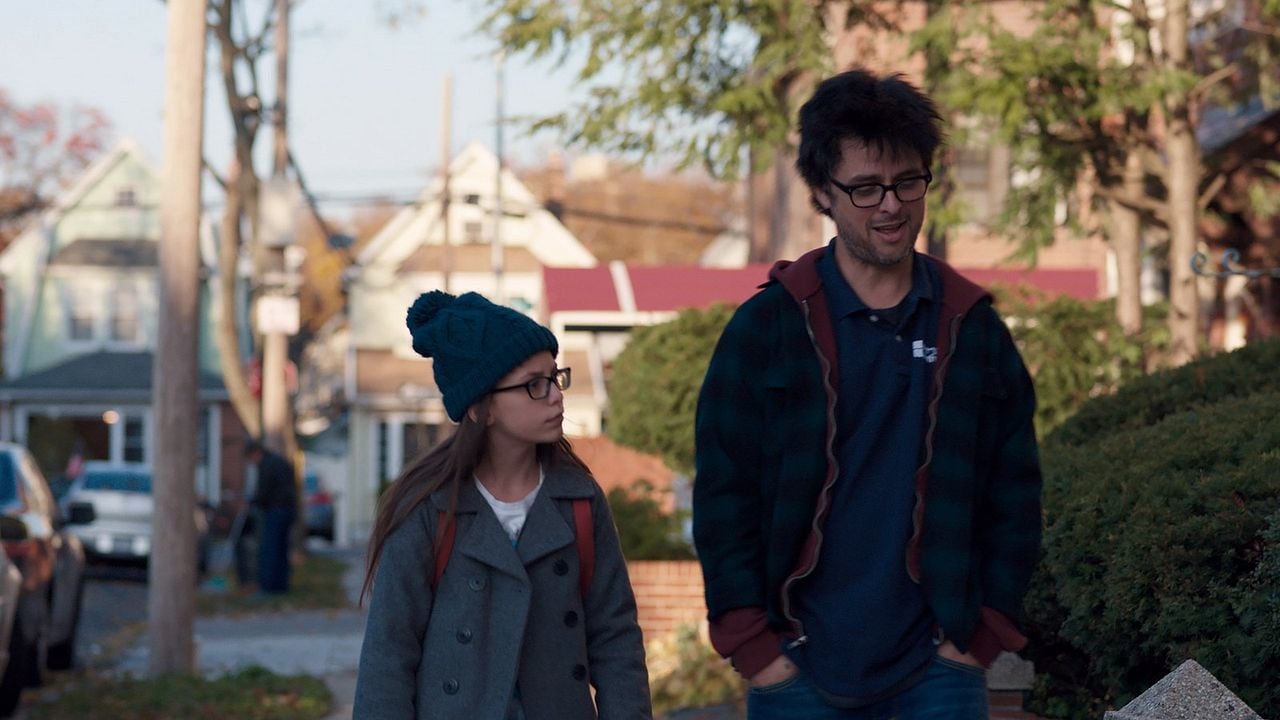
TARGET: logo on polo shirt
(929,354)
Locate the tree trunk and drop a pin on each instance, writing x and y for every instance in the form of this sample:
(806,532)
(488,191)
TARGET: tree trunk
(1183,174)
(230,357)
(241,202)
(1126,242)
(792,226)
(171,601)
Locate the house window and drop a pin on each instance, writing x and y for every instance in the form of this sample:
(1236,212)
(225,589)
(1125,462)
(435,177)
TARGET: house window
(133,440)
(80,313)
(384,459)
(471,199)
(473,231)
(126,197)
(982,179)
(124,314)
(418,438)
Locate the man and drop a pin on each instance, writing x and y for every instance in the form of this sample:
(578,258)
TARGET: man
(275,501)
(867,502)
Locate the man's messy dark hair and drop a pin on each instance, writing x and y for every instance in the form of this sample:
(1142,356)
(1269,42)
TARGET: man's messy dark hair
(887,113)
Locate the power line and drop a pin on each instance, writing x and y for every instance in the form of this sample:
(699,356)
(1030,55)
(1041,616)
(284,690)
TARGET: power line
(614,218)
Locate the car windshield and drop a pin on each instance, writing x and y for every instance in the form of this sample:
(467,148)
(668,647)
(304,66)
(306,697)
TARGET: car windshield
(8,479)
(118,480)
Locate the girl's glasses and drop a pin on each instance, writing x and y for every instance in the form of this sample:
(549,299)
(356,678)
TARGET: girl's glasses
(540,387)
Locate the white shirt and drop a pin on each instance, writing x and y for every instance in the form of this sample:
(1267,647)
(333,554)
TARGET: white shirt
(511,515)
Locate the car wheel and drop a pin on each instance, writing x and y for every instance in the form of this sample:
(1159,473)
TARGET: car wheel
(15,674)
(37,656)
(62,656)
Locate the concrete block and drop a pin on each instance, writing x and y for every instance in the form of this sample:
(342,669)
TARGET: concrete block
(1188,693)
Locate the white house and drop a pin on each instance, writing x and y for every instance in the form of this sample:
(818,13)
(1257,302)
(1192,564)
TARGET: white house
(80,316)
(394,408)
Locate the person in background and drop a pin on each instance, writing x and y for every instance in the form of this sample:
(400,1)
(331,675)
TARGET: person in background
(276,504)
(866,506)
(498,586)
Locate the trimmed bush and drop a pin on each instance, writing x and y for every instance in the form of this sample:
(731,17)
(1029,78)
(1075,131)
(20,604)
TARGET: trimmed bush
(645,530)
(1162,538)
(1253,369)
(653,391)
(684,672)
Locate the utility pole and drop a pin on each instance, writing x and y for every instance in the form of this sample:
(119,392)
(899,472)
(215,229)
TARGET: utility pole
(277,308)
(499,295)
(446,158)
(171,593)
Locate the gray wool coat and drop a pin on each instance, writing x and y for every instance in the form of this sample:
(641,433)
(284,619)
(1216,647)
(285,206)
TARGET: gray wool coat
(503,617)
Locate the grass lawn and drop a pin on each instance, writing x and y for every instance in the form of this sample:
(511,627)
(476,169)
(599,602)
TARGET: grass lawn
(316,584)
(250,694)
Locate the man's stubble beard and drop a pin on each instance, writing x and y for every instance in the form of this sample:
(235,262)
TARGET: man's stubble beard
(864,252)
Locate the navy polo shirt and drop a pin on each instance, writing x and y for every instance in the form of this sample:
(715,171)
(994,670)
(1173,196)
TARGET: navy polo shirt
(870,632)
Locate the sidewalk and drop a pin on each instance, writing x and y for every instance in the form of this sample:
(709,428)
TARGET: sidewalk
(321,643)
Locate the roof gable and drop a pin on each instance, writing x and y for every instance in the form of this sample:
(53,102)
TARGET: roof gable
(471,208)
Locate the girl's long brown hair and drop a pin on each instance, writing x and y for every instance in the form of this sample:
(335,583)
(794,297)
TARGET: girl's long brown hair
(446,465)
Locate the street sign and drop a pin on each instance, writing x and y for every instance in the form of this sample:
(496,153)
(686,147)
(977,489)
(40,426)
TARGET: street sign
(278,314)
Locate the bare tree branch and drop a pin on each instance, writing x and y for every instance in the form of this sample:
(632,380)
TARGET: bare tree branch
(213,173)
(1211,190)
(1207,82)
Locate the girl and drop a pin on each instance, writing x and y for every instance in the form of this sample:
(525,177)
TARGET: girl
(476,610)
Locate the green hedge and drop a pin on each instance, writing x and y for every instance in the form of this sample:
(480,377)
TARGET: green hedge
(1075,349)
(653,390)
(1162,538)
(645,530)
(1250,370)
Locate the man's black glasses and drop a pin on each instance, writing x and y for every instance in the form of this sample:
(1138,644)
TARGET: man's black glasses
(540,387)
(869,195)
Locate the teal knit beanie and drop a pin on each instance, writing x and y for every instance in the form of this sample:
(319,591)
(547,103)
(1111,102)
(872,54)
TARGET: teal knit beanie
(473,344)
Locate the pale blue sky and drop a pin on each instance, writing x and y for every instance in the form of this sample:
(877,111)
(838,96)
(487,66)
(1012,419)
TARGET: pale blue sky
(365,97)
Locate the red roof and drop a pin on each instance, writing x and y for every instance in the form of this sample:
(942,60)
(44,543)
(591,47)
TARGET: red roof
(673,287)
(1079,283)
(579,289)
(654,288)
(681,286)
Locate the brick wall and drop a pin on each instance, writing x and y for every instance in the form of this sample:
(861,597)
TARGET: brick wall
(668,594)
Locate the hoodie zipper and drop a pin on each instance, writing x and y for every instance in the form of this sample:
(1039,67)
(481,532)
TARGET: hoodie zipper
(824,495)
(917,515)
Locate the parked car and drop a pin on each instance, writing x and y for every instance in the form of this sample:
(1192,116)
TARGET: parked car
(319,507)
(12,667)
(51,563)
(110,509)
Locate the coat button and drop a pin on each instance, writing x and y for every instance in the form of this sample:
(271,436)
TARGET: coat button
(464,636)
(579,672)
(476,583)
(561,567)
(571,618)
(451,686)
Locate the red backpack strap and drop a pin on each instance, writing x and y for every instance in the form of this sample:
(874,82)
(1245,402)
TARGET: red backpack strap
(445,532)
(585,534)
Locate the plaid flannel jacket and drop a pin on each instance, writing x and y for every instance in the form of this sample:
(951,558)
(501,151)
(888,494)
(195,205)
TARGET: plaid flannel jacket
(765,462)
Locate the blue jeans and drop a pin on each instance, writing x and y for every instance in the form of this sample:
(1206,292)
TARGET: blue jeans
(948,691)
(273,550)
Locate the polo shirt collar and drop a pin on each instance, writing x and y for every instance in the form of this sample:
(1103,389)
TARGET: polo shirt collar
(843,301)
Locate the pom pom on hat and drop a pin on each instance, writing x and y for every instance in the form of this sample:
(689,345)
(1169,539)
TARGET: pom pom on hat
(473,343)
(426,307)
